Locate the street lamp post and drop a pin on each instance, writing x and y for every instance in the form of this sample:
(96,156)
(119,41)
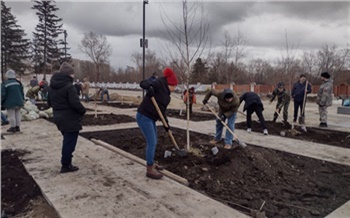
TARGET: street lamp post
(143,43)
(65,44)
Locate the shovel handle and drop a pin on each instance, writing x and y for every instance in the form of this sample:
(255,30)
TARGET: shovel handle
(164,122)
(223,123)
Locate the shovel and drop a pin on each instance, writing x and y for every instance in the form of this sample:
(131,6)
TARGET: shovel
(302,116)
(180,152)
(241,143)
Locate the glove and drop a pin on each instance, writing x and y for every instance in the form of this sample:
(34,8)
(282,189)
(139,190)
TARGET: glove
(222,117)
(150,91)
(166,128)
(205,101)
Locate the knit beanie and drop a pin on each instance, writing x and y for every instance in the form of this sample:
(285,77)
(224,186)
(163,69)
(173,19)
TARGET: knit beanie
(10,74)
(170,77)
(325,75)
(66,69)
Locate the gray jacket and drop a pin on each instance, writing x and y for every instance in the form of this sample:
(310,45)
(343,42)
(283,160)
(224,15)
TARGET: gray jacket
(325,93)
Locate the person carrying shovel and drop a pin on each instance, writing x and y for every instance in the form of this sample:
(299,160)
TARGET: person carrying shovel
(147,115)
(228,106)
(283,99)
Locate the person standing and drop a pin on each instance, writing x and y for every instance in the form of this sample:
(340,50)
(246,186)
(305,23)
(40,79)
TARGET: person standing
(253,104)
(324,97)
(298,94)
(68,112)
(43,89)
(77,86)
(192,99)
(33,82)
(283,99)
(85,89)
(147,115)
(228,106)
(12,99)
(153,77)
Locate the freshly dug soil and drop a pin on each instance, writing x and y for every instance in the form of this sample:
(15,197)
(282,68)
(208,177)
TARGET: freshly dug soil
(119,105)
(106,119)
(19,192)
(318,135)
(288,185)
(195,116)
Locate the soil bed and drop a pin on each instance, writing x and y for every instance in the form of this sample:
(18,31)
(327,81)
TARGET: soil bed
(106,119)
(290,185)
(318,135)
(20,195)
(195,116)
(119,105)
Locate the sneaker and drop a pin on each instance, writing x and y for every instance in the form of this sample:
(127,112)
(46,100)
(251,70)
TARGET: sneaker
(214,141)
(266,132)
(18,129)
(249,130)
(12,129)
(67,169)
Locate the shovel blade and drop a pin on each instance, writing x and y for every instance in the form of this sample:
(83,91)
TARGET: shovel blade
(242,144)
(182,153)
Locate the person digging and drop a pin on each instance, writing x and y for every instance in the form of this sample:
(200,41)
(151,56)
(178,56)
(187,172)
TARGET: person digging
(228,106)
(147,115)
(253,104)
(283,99)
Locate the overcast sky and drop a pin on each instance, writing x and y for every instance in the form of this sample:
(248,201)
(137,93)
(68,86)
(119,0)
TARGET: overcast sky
(264,24)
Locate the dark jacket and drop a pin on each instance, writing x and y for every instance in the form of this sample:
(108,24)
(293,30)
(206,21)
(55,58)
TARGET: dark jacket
(12,94)
(161,94)
(63,98)
(226,108)
(250,99)
(298,91)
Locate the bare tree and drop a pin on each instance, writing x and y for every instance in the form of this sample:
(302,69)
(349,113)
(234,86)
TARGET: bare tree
(189,37)
(288,60)
(97,48)
(332,60)
(152,63)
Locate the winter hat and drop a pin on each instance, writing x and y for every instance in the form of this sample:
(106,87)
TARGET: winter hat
(10,74)
(325,75)
(170,77)
(280,85)
(66,68)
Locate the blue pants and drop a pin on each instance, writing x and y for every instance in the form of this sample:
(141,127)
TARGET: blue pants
(219,127)
(149,130)
(68,147)
(103,93)
(3,118)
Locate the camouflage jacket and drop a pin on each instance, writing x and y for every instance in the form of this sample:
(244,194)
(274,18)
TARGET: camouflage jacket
(325,93)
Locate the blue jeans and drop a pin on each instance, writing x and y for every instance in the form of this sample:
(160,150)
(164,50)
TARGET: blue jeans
(149,130)
(3,118)
(219,127)
(102,94)
(68,147)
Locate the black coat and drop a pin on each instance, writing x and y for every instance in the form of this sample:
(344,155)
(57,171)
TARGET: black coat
(63,98)
(250,99)
(161,94)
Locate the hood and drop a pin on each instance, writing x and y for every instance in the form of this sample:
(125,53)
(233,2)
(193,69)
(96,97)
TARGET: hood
(226,92)
(59,80)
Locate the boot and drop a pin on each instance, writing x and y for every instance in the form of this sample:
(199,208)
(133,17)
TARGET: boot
(158,167)
(152,173)
(18,129)
(12,129)
(67,169)
(323,124)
